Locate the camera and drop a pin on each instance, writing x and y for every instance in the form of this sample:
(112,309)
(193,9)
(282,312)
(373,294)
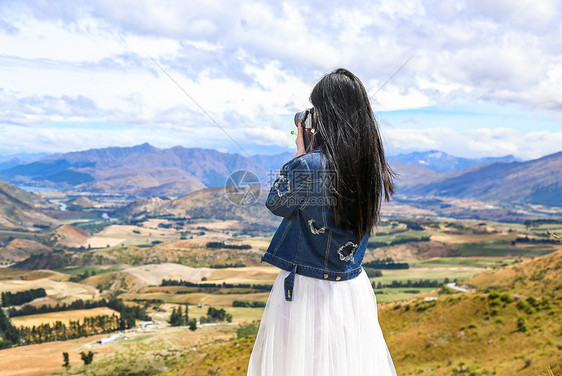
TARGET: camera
(305,118)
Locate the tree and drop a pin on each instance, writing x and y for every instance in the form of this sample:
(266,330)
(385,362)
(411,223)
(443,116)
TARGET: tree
(10,334)
(193,324)
(87,358)
(174,317)
(177,318)
(66,363)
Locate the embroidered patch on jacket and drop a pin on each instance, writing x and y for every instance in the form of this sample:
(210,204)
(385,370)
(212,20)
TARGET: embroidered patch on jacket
(346,251)
(282,180)
(315,230)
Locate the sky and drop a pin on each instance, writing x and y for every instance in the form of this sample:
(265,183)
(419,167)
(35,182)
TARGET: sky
(481,78)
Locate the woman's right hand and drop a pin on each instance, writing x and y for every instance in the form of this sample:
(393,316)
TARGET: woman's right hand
(300,142)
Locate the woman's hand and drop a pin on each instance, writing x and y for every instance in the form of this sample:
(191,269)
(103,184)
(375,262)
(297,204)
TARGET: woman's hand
(300,141)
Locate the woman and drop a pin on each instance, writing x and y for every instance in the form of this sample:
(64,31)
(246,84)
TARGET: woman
(321,314)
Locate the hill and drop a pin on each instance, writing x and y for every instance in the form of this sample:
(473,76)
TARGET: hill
(22,209)
(539,276)
(411,175)
(212,203)
(453,334)
(140,207)
(134,278)
(205,204)
(83,202)
(20,249)
(537,181)
(67,236)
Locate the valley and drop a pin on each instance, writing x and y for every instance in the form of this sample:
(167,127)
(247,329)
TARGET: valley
(458,281)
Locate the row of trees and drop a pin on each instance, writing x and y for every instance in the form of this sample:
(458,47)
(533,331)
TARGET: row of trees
(61,331)
(22,297)
(45,308)
(245,303)
(129,313)
(374,244)
(410,283)
(526,239)
(237,264)
(88,326)
(387,263)
(228,246)
(173,282)
(75,329)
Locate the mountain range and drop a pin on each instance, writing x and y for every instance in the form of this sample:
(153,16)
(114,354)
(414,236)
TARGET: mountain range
(7,161)
(536,181)
(147,171)
(439,161)
(141,170)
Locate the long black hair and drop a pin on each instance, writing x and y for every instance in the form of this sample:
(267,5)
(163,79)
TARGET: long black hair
(348,136)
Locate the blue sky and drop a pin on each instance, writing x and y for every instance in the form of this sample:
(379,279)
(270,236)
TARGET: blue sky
(485,78)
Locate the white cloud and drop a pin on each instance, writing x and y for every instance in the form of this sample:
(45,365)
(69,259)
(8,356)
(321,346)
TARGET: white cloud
(482,142)
(253,60)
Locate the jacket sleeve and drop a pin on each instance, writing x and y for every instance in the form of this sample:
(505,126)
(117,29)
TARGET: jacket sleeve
(290,190)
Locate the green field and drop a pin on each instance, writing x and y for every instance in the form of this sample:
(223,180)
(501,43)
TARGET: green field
(417,273)
(501,248)
(97,269)
(476,262)
(389,294)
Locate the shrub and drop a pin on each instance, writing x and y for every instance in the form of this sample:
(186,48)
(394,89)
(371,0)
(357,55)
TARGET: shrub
(506,298)
(247,330)
(522,324)
(65,359)
(524,306)
(193,324)
(87,358)
(493,295)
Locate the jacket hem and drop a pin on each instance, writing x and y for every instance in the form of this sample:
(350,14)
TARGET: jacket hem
(310,271)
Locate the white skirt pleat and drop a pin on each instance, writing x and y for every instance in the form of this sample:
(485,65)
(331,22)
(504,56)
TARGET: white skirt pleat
(329,328)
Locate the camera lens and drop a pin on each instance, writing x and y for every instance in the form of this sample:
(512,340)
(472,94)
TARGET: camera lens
(300,117)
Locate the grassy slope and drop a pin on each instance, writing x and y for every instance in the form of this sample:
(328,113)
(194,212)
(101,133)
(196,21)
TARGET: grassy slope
(475,333)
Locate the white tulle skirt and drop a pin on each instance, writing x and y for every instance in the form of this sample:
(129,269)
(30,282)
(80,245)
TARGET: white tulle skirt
(329,328)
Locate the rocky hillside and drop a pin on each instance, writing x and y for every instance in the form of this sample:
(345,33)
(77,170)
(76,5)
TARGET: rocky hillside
(20,249)
(67,236)
(22,210)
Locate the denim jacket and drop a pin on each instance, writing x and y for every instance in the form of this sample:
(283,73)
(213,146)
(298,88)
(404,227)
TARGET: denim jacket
(307,241)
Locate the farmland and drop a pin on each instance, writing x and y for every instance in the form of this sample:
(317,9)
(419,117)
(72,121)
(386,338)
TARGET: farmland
(436,251)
